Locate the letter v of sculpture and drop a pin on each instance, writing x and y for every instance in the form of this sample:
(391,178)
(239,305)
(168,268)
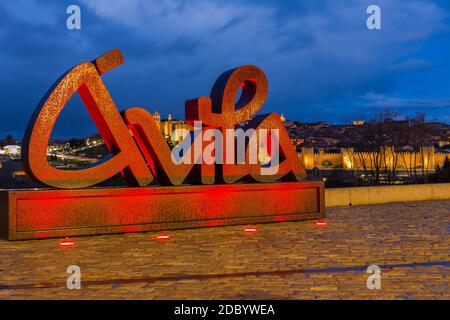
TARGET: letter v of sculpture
(140,153)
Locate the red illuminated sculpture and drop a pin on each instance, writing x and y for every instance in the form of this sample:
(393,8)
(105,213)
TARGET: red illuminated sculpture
(218,111)
(140,153)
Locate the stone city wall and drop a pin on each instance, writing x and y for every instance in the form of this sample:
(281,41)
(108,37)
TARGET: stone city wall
(348,159)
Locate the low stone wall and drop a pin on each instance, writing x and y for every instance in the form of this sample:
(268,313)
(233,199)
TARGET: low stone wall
(376,195)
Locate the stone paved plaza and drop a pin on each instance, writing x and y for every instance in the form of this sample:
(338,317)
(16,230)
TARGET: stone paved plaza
(409,242)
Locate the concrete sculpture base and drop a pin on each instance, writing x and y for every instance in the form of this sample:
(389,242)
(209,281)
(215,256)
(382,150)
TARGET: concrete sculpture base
(44,213)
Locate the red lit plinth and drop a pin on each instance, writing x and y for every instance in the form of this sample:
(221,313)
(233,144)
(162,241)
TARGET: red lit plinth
(38,214)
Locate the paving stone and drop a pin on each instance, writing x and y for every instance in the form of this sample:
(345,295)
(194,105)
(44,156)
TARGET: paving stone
(292,260)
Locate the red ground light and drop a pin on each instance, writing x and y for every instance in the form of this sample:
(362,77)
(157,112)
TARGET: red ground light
(250,230)
(67,243)
(163,237)
(321,223)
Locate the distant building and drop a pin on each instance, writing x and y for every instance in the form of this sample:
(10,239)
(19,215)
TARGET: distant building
(169,126)
(13,151)
(444,142)
(157,117)
(358,122)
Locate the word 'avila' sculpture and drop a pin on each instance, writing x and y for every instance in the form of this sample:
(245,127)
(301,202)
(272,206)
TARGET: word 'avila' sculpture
(194,193)
(218,111)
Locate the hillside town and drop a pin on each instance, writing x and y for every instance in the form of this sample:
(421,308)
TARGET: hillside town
(411,148)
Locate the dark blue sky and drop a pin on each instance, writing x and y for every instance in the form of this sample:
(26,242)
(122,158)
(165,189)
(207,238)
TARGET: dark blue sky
(321,60)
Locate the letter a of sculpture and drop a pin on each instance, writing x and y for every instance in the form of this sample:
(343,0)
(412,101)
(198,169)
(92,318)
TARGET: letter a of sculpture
(84,79)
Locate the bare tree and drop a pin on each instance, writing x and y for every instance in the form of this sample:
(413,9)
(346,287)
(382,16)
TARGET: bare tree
(418,138)
(379,137)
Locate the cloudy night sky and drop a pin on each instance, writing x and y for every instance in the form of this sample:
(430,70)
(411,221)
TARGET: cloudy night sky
(321,60)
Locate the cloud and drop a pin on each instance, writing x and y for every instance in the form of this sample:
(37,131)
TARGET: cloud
(412,65)
(32,12)
(164,21)
(389,102)
(315,53)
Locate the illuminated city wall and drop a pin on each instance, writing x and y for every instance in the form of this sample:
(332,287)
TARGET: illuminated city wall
(348,159)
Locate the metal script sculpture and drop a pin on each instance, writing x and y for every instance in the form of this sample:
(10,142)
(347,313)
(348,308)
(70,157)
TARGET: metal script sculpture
(144,154)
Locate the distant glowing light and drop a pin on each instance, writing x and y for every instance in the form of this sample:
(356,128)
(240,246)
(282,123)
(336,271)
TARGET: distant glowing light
(67,243)
(163,237)
(250,230)
(321,223)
